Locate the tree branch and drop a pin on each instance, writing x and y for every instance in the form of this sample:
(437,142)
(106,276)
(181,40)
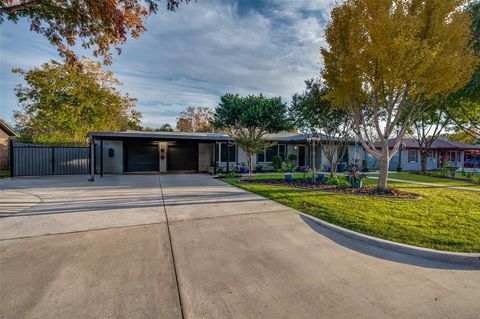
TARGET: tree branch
(18,7)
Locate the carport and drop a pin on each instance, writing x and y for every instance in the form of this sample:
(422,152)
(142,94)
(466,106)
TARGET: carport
(140,151)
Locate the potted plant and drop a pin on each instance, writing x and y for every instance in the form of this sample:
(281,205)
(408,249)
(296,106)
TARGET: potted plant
(321,177)
(355,177)
(452,170)
(364,166)
(399,167)
(243,168)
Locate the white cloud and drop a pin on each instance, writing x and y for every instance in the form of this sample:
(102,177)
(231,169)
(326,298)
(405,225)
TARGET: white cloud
(208,48)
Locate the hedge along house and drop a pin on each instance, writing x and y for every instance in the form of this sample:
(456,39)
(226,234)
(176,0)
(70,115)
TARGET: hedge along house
(139,151)
(443,152)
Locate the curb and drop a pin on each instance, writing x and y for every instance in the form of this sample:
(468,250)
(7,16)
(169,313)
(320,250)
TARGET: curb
(432,254)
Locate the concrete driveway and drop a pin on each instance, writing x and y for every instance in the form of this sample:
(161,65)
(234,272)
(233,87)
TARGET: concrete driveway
(74,249)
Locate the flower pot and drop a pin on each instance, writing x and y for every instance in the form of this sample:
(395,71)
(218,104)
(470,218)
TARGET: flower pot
(452,170)
(399,169)
(243,170)
(357,183)
(341,168)
(288,177)
(321,177)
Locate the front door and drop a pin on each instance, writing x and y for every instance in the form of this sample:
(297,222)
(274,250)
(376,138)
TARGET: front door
(301,156)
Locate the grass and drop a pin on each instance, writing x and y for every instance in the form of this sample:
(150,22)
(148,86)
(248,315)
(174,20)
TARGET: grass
(443,219)
(429,179)
(4,173)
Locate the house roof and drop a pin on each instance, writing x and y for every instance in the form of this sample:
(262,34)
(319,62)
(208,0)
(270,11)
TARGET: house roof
(440,143)
(162,135)
(278,137)
(7,128)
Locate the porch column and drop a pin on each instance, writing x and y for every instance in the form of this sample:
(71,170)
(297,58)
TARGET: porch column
(92,159)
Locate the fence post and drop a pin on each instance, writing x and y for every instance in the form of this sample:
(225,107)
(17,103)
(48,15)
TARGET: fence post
(52,153)
(101,158)
(10,158)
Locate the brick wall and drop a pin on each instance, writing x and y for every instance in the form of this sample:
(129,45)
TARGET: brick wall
(3,150)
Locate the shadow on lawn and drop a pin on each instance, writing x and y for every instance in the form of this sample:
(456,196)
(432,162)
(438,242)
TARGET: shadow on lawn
(383,253)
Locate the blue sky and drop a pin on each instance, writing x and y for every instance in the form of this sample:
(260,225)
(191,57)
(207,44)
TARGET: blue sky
(193,56)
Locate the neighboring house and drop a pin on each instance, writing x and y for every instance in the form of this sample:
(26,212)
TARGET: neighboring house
(5,133)
(442,152)
(140,151)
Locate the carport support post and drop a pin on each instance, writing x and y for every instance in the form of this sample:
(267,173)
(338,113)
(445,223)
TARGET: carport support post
(92,160)
(215,158)
(228,157)
(101,158)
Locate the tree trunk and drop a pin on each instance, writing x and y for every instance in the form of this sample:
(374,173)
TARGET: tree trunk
(383,177)
(250,165)
(423,161)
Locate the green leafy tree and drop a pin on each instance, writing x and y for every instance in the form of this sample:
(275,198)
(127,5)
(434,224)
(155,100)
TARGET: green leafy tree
(464,105)
(313,113)
(62,102)
(386,56)
(163,128)
(248,119)
(98,24)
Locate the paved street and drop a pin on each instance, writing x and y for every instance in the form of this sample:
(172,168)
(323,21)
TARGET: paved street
(74,249)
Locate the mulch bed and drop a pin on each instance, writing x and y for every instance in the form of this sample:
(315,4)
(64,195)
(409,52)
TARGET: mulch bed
(308,184)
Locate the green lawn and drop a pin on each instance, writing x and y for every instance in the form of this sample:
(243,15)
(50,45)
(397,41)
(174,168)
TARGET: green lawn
(444,219)
(428,179)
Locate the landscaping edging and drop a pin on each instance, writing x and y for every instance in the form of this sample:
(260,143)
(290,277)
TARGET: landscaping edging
(432,254)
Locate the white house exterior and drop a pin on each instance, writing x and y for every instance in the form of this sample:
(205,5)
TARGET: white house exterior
(139,151)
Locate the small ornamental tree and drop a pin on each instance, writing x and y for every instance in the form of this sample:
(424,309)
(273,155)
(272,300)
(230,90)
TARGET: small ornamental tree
(97,24)
(62,102)
(384,55)
(314,114)
(248,119)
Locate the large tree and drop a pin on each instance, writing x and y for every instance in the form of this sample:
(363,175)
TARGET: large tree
(313,113)
(465,103)
(386,56)
(98,24)
(195,119)
(62,102)
(248,119)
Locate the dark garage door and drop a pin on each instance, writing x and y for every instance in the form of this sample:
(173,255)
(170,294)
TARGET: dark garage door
(182,157)
(141,156)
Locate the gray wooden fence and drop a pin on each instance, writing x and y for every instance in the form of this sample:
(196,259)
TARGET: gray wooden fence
(34,160)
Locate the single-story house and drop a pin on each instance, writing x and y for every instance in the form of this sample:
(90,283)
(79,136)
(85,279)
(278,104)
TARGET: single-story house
(6,132)
(442,152)
(141,151)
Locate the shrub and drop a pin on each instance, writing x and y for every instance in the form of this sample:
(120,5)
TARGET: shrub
(277,162)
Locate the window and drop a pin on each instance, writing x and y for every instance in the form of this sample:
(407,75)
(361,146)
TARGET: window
(227,150)
(282,150)
(452,156)
(345,155)
(267,155)
(261,157)
(431,155)
(412,156)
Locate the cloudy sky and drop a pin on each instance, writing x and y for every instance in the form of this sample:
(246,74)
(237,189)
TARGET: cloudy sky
(193,56)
